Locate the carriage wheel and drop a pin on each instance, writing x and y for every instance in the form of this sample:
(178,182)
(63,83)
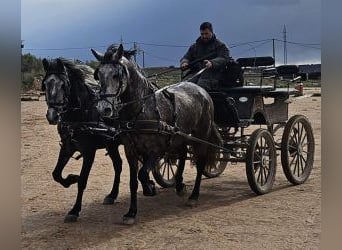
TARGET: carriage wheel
(215,169)
(297,149)
(164,172)
(261,160)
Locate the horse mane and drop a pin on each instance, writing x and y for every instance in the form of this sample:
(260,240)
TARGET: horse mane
(128,59)
(81,73)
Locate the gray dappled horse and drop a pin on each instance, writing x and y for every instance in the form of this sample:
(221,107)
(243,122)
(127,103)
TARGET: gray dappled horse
(71,98)
(125,92)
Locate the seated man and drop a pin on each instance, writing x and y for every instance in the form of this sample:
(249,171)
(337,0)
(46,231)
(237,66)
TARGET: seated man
(208,52)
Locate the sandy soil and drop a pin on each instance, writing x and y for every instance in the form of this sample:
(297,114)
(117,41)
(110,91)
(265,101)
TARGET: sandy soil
(229,214)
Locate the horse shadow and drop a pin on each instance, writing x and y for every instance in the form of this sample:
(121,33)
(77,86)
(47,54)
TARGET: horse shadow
(99,223)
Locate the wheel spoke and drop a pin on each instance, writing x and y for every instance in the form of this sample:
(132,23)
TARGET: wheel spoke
(258,179)
(301,132)
(265,174)
(303,139)
(302,157)
(168,171)
(256,165)
(294,161)
(302,163)
(293,136)
(173,173)
(298,132)
(164,164)
(297,164)
(294,157)
(261,175)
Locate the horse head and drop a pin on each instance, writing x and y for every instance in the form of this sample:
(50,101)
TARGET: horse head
(114,76)
(57,86)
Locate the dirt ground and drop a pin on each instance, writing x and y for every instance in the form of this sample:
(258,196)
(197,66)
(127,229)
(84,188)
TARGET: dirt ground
(229,214)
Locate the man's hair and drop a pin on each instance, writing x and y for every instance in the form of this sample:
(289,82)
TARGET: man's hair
(206,25)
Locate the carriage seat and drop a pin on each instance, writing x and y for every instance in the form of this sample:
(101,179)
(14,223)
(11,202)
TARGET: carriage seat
(225,112)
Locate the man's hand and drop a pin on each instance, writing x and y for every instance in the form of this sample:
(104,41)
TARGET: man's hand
(208,64)
(184,65)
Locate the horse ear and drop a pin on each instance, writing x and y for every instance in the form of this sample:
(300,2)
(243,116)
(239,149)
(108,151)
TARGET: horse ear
(119,53)
(60,64)
(45,64)
(96,74)
(97,55)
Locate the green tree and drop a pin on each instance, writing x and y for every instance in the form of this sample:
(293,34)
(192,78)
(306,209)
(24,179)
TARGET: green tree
(31,67)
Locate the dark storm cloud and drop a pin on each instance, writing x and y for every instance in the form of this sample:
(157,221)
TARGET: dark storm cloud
(269,3)
(82,24)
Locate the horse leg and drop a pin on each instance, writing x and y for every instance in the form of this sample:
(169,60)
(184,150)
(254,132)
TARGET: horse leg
(129,218)
(113,151)
(65,154)
(149,187)
(200,164)
(180,186)
(88,159)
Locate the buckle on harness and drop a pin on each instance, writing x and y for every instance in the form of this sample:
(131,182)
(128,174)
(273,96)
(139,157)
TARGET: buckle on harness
(129,125)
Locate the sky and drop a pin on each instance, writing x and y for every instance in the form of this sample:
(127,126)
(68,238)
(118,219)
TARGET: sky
(164,29)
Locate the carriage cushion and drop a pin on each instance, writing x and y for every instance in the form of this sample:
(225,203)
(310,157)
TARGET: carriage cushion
(249,89)
(225,112)
(255,61)
(232,75)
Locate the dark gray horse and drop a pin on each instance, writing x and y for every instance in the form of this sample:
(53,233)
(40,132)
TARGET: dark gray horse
(185,106)
(71,97)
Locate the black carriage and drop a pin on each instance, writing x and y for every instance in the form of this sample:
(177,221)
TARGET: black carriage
(265,105)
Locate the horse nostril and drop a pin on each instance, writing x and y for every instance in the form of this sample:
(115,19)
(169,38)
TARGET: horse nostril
(107,111)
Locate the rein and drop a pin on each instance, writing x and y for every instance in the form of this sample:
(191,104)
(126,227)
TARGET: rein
(163,72)
(121,105)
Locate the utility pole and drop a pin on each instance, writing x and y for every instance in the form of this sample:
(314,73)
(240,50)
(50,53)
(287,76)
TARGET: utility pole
(21,62)
(273,52)
(143,54)
(285,48)
(136,50)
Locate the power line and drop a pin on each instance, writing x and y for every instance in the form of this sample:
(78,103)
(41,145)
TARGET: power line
(159,57)
(309,45)
(254,47)
(232,45)
(164,45)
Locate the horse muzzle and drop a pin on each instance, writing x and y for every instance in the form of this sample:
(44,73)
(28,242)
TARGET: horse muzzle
(52,116)
(104,108)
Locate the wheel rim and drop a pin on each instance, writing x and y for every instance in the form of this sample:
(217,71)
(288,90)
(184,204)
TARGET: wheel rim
(262,161)
(298,150)
(218,166)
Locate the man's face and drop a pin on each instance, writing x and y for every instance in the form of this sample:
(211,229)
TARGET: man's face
(206,35)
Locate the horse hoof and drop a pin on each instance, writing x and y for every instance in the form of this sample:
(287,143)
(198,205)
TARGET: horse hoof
(191,203)
(149,190)
(128,220)
(70,218)
(181,192)
(71,179)
(108,201)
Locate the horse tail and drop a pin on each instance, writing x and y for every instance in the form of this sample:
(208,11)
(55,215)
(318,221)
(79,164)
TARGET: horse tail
(215,138)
